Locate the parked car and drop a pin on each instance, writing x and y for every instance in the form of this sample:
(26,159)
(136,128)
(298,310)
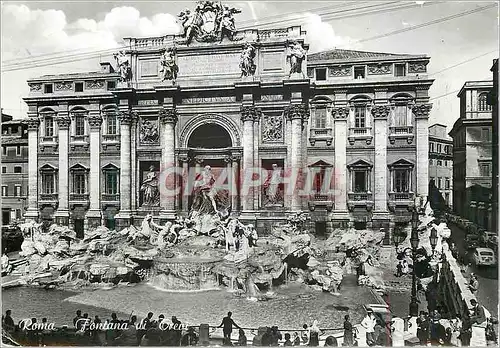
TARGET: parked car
(483,257)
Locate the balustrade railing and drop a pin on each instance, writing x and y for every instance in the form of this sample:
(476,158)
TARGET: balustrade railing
(78,196)
(79,138)
(48,196)
(110,197)
(360,196)
(360,131)
(321,132)
(48,139)
(111,137)
(403,130)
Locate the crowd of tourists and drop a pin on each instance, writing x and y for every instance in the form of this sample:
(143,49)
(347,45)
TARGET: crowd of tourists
(160,331)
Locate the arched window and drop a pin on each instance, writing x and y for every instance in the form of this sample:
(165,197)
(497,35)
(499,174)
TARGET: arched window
(482,102)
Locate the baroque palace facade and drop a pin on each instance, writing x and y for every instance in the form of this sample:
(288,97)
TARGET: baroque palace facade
(100,141)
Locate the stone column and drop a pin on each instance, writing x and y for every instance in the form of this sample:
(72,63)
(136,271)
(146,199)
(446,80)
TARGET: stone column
(133,164)
(340,115)
(63,123)
(288,142)
(123,218)
(168,118)
(296,114)
(380,114)
(32,211)
(186,183)
(230,177)
(304,143)
(247,117)
(94,216)
(256,164)
(421,112)
(234,183)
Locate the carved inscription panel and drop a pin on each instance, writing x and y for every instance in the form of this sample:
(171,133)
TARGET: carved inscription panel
(209,64)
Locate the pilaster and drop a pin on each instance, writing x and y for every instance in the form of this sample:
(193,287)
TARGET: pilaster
(63,120)
(421,112)
(380,114)
(256,159)
(94,216)
(340,115)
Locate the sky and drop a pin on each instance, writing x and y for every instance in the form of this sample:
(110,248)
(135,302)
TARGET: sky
(461,48)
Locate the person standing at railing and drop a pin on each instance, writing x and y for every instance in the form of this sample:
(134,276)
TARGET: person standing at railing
(242,338)
(368,323)
(348,332)
(314,333)
(288,342)
(227,324)
(296,339)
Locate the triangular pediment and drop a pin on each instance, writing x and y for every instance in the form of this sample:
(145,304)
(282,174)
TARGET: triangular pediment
(48,168)
(77,167)
(360,164)
(401,163)
(321,163)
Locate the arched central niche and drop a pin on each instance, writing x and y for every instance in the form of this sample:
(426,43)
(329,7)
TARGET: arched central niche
(210,136)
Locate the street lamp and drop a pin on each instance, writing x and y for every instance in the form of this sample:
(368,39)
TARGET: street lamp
(433,239)
(414,245)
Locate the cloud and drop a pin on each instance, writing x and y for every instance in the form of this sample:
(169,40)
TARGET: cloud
(321,36)
(47,31)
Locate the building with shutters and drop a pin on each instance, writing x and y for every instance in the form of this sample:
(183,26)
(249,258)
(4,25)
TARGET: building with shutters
(441,161)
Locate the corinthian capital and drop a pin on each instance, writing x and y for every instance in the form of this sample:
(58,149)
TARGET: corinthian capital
(32,123)
(63,122)
(422,110)
(95,121)
(248,113)
(297,111)
(381,111)
(340,112)
(125,117)
(168,115)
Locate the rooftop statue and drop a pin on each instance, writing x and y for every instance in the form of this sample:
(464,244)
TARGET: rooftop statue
(169,68)
(210,21)
(123,66)
(297,54)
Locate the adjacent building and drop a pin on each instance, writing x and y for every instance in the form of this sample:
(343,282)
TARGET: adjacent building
(494,104)
(472,154)
(14,164)
(441,161)
(354,123)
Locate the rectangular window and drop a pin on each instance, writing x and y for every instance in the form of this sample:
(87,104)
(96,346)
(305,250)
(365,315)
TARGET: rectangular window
(4,170)
(48,183)
(18,150)
(79,125)
(446,163)
(4,150)
(360,116)
(17,191)
(438,148)
(439,183)
(439,163)
(111,84)
(447,149)
(432,179)
(111,124)
(447,198)
(485,134)
(47,88)
(359,72)
(447,184)
(5,191)
(79,183)
(400,115)
(360,181)
(400,70)
(18,169)
(320,117)
(484,169)
(49,126)
(401,180)
(321,74)
(18,213)
(111,183)
(78,86)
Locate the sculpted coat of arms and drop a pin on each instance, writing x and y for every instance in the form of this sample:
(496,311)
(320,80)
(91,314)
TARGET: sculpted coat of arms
(210,21)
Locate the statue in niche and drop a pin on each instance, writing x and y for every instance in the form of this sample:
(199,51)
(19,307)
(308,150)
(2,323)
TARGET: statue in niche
(169,68)
(296,54)
(272,192)
(273,129)
(149,187)
(247,64)
(149,132)
(205,197)
(123,66)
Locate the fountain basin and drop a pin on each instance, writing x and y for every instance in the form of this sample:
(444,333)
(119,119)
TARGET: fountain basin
(184,274)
